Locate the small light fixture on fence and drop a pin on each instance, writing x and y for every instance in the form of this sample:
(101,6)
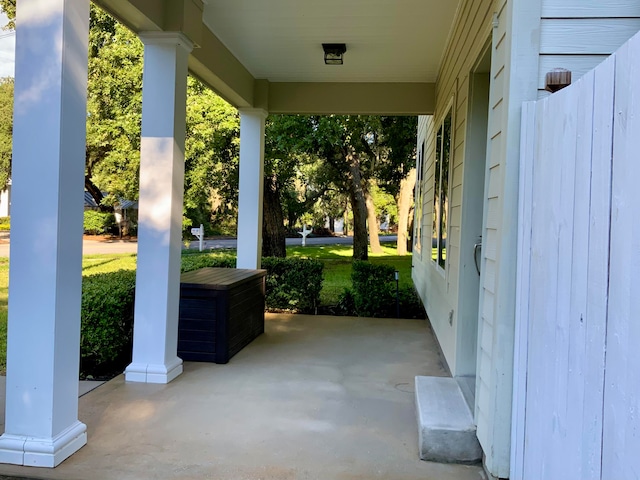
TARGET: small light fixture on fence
(333,53)
(557,79)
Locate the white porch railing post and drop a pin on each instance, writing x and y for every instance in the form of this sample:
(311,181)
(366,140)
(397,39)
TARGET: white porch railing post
(164,96)
(251,187)
(42,427)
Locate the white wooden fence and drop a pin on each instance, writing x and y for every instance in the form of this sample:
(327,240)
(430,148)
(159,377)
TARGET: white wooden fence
(577,383)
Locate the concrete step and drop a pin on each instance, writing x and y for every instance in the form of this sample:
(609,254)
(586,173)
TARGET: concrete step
(446,432)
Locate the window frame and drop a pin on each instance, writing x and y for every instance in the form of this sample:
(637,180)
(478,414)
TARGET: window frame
(441,203)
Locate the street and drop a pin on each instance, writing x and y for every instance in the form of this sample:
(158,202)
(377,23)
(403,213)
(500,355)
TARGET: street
(93,247)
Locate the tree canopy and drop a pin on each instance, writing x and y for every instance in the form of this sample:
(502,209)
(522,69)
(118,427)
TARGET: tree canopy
(6,129)
(332,163)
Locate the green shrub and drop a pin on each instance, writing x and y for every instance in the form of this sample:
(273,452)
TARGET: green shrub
(373,289)
(194,261)
(98,223)
(374,294)
(107,322)
(346,304)
(5,223)
(293,283)
(410,304)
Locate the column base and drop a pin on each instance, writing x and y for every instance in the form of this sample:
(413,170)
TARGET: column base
(153,373)
(42,452)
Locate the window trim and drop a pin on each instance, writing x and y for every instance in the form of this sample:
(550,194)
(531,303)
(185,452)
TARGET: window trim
(440,124)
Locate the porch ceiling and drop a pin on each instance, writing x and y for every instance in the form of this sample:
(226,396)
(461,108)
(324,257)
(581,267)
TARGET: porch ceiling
(387,41)
(269,54)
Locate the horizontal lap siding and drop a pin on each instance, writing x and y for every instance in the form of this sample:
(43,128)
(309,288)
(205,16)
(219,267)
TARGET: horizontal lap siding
(439,290)
(579,34)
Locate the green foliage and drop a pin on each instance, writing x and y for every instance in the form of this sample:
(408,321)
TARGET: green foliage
(293,283)
(5,224)
(114,106)
(373,288)
(107,320)
(373,294)
(98,223)
(9,7)
(194,261)
(211,157)
(6,129)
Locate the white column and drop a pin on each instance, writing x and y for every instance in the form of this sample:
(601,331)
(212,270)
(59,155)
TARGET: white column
(251,187)
(42,427)
(164,100)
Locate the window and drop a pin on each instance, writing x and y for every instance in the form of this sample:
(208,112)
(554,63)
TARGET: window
(418,199)
(441,193)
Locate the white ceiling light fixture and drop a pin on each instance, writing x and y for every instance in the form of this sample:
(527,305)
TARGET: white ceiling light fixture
(333,53)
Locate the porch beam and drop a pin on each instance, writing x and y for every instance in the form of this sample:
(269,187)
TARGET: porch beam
(352,98)
(164,96)
(43,351)
(251,187)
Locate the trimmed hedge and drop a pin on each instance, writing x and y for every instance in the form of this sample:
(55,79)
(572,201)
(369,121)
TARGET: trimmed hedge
(106,322)
(194,261)
(293,283)
(97,223)
(373,294)
(373,289)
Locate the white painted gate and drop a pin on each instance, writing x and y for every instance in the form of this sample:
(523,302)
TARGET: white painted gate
(577,381)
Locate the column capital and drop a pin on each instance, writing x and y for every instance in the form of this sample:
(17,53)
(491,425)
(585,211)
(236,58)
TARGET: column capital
(167,38)
(253,111)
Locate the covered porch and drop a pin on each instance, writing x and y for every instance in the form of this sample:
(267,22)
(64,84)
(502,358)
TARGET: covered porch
(261,67)
(314,397)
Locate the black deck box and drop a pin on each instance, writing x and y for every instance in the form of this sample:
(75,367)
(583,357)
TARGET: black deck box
(221,311)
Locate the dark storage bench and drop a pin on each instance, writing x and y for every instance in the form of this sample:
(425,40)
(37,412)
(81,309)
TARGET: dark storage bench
(221,311)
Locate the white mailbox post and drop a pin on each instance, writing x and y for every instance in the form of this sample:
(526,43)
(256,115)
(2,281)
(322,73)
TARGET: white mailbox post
(304,234)
(199,233)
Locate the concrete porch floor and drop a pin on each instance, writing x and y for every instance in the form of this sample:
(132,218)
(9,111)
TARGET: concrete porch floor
(315,397)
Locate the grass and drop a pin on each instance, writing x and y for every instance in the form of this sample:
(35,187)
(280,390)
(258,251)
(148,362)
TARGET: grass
(337,267)
(337,274)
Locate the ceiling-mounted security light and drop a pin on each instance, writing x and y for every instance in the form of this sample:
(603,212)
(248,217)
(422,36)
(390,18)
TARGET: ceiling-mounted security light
(333,53)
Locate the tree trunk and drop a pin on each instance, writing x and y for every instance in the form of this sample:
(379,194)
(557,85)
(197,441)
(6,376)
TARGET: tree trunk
(404,206)
(96,194)
(372,220)
(332,224)
(359,207)
(273,231)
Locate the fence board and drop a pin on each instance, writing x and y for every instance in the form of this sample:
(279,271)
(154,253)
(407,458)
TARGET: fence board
(563,286)
(527,160)
(598,266)
(621,439)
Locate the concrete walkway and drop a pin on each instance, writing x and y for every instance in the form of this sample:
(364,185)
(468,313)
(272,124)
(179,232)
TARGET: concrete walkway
(314,398)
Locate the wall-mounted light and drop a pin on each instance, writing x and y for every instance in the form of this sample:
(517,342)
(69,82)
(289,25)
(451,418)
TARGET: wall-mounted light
(333,53)
(557,79)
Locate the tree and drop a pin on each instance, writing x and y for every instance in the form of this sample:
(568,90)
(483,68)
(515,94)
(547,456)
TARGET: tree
(114,110)
(6,129)
(9,8)
(211,157)
(397,174)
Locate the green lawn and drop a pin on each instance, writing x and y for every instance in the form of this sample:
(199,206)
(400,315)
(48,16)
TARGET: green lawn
(337,274)
(337,267)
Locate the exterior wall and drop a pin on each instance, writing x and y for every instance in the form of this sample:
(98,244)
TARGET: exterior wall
(438,289)
(579,34)
(529,37)
(511,83)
